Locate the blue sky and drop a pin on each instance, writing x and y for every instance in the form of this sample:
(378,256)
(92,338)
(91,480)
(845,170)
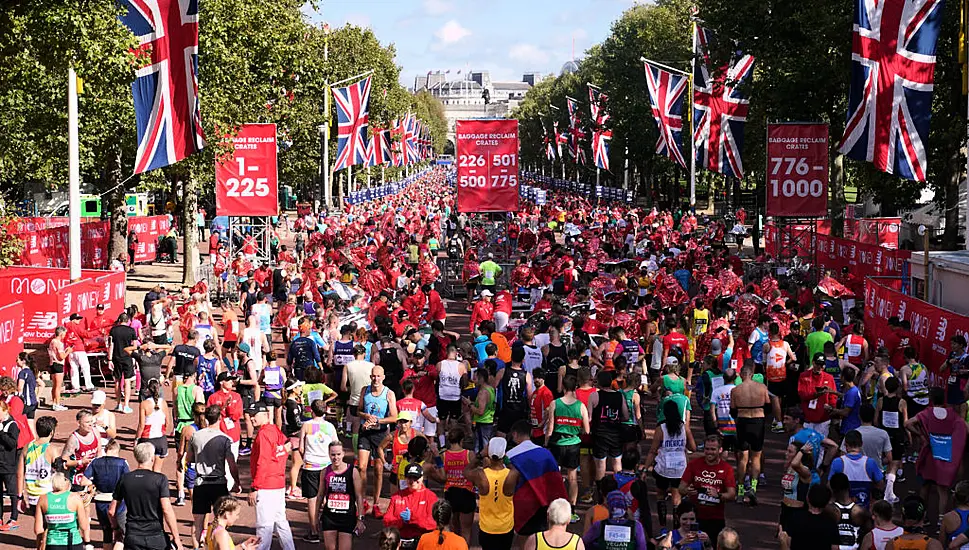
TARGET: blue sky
(506,37)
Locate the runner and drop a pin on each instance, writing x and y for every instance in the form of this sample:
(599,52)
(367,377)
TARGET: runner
(568,419)
(667,458)
(749,399)
(341,509)
(709,482)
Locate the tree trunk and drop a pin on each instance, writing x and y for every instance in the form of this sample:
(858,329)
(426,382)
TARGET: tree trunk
(837,205)
(952,177)
(190,254)
(118,220)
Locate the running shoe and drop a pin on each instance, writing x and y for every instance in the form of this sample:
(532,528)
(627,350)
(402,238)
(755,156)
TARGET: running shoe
(127,410)
(777,428)
(575,518)
(311,538)
(10,525)
(180,501)
(741,492)
(586,498)
(752,498)
(58,408)
(245,451)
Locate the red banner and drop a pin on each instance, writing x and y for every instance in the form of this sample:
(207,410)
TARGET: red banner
(11,336)
(797,168)
(879,231)
(834,253)
(932,325)
(38,288)
(487,152)
(246,180)
(148,229)
(50,247)
(84,296)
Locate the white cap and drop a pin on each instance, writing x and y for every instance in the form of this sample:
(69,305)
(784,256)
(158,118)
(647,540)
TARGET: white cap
(672,360)
(487,292)
(497,447)
(98,397)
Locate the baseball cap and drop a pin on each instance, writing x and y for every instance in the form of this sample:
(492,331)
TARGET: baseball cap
(98,397)
(672,360)
(414,471)
(497,446)
(76,316)
(101,306)
(293,384)
(419,353)
(226,375)
(819,357)
(487,292)
(243,347)
(257,408)
(405,415)
(716,347)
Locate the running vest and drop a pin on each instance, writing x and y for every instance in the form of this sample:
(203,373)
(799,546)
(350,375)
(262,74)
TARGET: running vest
(311,392)
(858,478)
(454,464)
(155,424)
(628,396)
(399,449)
(607,357)
(37,472)
(963,527)
(61,522)
(890,418)
(184,400)
(571,545)
(272,377)
(557,356)
(449,382)
(776,362)
(85,453)
(630,350)
(393,370)
(206,374)
(757,350)
(880,537)
(496,512)
(533,358)
(316,446)
(375,405)
(910,544)
(340,498)
(671,456)
(833,367)
(847,531)
(701,319)
(343,352)
(617,535)
(609,409)
(568,423)
(853,349)
(918,389)
(488,415)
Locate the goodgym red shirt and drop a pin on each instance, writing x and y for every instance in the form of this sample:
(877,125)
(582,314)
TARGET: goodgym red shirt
(231,403)
(703,476)
(268,459)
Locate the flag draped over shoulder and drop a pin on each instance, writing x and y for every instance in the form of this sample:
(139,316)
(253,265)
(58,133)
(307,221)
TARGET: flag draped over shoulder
(540,481)
(719,108)
(166,86)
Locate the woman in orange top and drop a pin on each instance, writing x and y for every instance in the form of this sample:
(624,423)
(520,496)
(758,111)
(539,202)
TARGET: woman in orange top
(458,489)
(441,538)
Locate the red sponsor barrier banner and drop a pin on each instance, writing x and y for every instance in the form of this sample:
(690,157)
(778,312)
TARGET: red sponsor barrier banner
(878,231)
(835,253)
(84,296)
(797,170)
(245,180)
(39,223)
(932,325)
(38,288)
(487,152)
(148,229)
(11,336)
(50,247)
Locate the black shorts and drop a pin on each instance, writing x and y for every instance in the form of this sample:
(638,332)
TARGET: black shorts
(899,443)
(57,368)
(632,433)
(913,408)
(607,443)
(353,410)
(341,523)
(30,411)
(247,400)
(665,483)
(161,339)
(107,532)
(205,495)
(778,388)
(729,443)
(271,400)
(536,524)
(160,444)
(489,541)
(228,345)
(124,370)
(750,434)
(448,409)
(462,501)
(506,419)
(309,482)
(567,456)
(370,440)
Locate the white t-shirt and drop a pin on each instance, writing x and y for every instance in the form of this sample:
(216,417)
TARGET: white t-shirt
(657,362)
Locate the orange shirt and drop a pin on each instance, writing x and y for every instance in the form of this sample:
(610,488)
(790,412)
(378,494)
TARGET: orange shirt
(451,541)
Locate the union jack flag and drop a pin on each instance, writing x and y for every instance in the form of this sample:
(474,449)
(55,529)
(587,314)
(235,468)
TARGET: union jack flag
(666,93)
(719,109)
(166,86)
(574,132)
(892,73)
(559,139)
(379,148)
(597,102)
(410,148)
(600,135)
(353,115)
(547,142)
(397,143)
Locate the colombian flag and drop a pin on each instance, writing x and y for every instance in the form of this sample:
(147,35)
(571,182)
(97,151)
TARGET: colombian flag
(540,481)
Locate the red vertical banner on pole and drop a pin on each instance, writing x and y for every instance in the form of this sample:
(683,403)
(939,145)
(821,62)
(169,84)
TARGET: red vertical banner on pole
(246,181)
(487,152)
(11,335)
(797,170)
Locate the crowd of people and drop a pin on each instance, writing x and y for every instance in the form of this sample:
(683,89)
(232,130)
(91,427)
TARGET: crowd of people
(574,388)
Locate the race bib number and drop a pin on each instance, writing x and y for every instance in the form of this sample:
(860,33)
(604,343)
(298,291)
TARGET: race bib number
(59,518)
(271,377)
(675,463)
(229,424)
(890,419)
(708,499)
(315,394)
(813,404)
(717,382)
(618,533)
(953,379)
(338,502)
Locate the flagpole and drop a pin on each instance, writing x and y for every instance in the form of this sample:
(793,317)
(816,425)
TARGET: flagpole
(692,130)
(74,178)
(327,186)
(625,175)
(368,176)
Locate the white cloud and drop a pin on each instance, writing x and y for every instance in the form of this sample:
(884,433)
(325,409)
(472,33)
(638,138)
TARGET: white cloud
(357,19)
(579,34)
(435,8)
(528,54)
(451,32)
